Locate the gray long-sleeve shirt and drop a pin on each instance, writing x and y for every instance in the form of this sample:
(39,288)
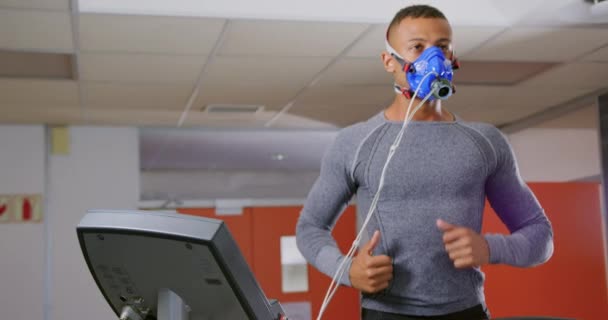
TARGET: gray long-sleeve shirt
(440,170)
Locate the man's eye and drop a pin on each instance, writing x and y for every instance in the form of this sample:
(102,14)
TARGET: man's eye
(418,47)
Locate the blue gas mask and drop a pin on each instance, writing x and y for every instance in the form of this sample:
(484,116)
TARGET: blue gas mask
(432,73)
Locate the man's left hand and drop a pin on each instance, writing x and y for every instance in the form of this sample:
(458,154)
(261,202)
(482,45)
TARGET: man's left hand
(465,247)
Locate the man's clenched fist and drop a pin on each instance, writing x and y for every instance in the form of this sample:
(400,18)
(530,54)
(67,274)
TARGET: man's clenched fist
(369,273)
(465,247)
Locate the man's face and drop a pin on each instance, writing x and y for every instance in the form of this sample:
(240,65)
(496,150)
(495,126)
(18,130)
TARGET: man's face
(413,35)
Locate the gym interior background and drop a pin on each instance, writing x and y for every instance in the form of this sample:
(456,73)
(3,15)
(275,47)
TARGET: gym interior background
(224,109)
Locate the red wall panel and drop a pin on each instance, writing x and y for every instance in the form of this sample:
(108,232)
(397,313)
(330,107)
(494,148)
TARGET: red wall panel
(573,283)
(269,225)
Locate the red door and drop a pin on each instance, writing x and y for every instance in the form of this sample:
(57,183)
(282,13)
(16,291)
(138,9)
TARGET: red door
(269,224)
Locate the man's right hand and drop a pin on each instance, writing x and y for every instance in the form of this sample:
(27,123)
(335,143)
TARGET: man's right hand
(369,273)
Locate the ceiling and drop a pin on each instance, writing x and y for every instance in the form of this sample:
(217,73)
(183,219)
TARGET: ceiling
(311,65)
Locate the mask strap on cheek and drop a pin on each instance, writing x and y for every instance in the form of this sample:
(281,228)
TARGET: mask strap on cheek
(455,66)
(455,61)
(406,92)
(405,66)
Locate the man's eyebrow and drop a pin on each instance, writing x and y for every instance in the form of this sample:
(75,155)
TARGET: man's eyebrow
(444,40)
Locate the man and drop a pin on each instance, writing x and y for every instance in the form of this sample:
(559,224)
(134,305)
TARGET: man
(425,250)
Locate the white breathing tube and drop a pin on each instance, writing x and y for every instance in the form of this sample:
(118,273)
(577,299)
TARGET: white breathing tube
(333,287)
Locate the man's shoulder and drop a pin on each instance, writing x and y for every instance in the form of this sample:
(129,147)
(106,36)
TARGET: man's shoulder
(358,131)
(496,141)
(486,130)
(349,138)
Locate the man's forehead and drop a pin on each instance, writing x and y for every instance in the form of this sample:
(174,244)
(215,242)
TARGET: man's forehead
(421,28)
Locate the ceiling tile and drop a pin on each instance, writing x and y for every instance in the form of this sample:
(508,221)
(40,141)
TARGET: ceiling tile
(585,118)
(493,116)
(356,71)
(37,115)
(591,75)
(239,121)
(509,97)
(467,38)
(35,30)
(340,115)
(508,104)
(140,118)
(140,68)
(517,10)
(272,97)
(277,71)
(498,72)
(37,4)
(542,97)
(541,44)
(288,38)
(371,45)
(257,121)
(351,95)
(38,92)
(600,55)
(148,34)
(135,96)
(75,116)
(472,12)
(472,96)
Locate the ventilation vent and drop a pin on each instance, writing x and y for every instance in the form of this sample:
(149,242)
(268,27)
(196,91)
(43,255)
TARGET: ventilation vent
(36,65)
(232,109)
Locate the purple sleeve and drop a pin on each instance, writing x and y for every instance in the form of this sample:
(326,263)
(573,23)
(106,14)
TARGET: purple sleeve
(531,240)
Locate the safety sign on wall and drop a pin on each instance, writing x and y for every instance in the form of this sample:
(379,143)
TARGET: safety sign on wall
(24,208)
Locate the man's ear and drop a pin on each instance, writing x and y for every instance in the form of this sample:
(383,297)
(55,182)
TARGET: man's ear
(390,64)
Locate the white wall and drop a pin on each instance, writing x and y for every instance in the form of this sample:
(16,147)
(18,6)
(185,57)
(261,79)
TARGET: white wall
(101,172)
(558,155)
(22,170)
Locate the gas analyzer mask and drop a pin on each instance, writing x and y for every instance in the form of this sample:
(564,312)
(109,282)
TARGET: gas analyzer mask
(431,74)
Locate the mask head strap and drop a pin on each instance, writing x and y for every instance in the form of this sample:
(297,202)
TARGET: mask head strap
(394,53)
(405,66)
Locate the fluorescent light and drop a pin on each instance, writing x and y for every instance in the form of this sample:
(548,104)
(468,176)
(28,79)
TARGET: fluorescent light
(580,12)
(600,9)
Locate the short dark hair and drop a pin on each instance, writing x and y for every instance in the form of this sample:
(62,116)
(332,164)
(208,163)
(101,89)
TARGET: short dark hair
(416,11)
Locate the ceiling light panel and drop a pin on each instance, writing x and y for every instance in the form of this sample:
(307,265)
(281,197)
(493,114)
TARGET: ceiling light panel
(541,44)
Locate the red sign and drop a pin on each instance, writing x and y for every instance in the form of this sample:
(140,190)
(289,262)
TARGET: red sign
(20,208)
